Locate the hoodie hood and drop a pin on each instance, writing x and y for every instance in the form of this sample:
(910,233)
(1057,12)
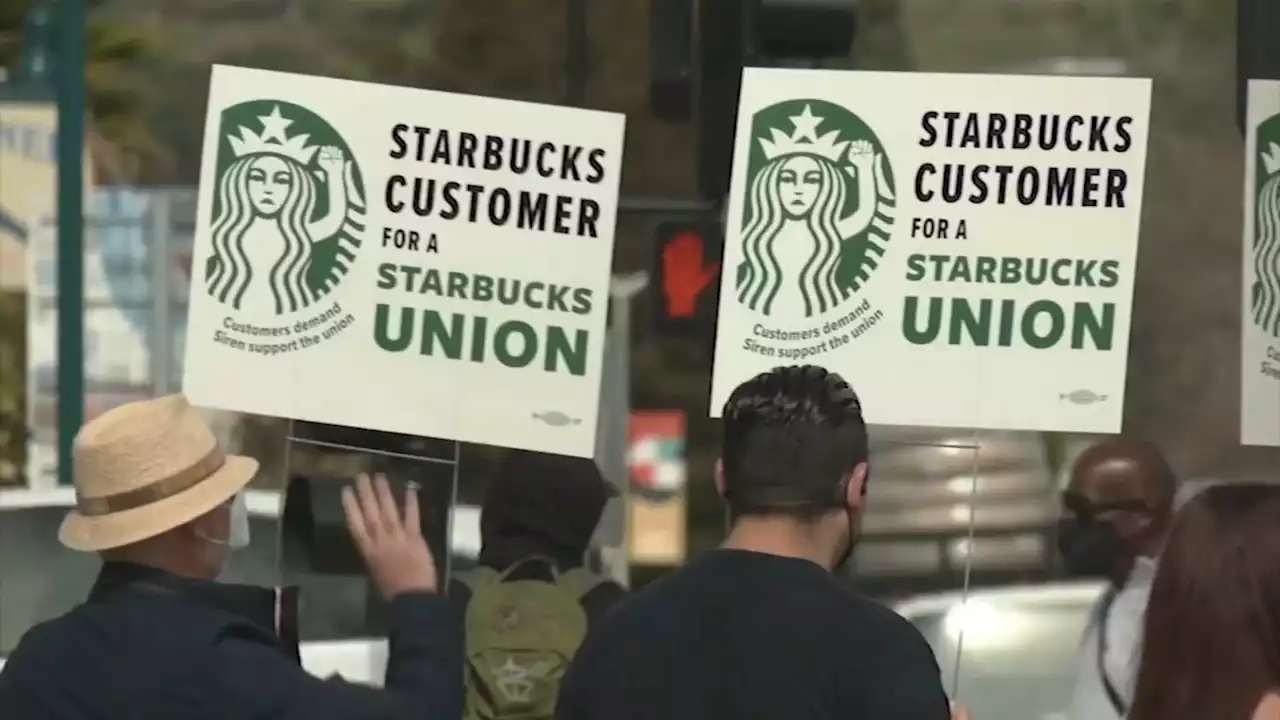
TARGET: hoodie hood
(542,504)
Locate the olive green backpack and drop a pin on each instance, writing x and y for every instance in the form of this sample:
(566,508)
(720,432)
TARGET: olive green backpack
(521,635)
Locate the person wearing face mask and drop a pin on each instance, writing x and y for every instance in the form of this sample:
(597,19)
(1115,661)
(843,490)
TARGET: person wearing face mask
(162,504)
(761,628)
(1117,513)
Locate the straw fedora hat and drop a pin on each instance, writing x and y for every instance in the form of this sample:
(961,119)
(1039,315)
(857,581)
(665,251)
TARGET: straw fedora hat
(145,468)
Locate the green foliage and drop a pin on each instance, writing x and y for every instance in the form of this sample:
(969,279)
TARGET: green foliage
(114,51)
(117,98)
(13,390)
(13,13)
(385,41)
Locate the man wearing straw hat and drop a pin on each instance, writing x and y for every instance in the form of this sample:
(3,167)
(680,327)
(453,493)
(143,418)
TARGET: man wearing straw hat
(160,502)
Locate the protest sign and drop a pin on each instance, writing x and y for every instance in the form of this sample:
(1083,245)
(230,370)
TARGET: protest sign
(403,260)
(960,247)
(1260,301)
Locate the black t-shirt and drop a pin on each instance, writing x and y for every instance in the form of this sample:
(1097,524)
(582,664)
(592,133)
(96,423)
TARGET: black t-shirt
(737,635)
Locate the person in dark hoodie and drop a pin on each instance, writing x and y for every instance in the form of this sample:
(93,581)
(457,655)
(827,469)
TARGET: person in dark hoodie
(531,601)
(162,504)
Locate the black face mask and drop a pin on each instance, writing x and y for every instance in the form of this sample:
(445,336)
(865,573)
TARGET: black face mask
(1090,548)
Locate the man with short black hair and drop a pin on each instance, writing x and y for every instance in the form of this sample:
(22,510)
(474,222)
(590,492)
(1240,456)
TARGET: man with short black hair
(760,628)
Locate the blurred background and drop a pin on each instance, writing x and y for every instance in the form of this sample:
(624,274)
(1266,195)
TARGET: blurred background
(147,71)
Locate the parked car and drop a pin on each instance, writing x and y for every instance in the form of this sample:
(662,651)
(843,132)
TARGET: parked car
(39,579)
(1019,645)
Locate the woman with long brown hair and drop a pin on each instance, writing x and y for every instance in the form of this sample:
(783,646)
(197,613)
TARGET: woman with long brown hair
(1211,646)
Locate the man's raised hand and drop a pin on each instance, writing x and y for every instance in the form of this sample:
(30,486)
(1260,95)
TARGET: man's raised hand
(391,543)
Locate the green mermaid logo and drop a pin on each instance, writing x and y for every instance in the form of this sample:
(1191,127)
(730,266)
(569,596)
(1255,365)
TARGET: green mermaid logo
(288,209)
(1265,292)
(818,212)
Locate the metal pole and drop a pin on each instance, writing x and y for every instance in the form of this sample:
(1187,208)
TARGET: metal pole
(71,100)
(615,420)
(157,224)
(664,206)
(575,53)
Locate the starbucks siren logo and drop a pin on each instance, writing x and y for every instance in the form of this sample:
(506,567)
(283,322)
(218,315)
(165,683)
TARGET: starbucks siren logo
(819,208)
(1265,293)
(288,211)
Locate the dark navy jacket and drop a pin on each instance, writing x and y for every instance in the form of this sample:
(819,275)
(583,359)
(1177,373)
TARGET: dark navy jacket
(148,645)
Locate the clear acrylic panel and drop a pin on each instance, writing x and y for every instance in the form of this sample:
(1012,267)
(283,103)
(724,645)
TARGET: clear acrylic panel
(312,547)
(971,511)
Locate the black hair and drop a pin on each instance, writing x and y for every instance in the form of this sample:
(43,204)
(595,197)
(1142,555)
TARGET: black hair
(792,438)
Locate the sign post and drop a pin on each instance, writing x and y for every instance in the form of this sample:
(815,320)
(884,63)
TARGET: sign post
(961,248)
(613,435)
(398,271)
(71,99)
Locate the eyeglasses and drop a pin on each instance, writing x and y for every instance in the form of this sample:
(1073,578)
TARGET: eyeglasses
(1081,506)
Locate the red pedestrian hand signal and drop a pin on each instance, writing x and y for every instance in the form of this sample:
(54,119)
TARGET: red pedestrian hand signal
(684,276)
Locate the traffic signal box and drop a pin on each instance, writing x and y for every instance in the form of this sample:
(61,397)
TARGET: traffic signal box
(687,266)
(698,50)
(1257,47)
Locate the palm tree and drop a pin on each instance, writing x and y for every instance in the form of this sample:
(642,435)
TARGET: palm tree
(13,403)
(12,16)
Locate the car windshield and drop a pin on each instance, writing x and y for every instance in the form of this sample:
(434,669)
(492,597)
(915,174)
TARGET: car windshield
(1019,657)
(40,579)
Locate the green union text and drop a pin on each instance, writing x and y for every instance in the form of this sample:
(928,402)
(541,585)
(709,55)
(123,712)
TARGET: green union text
(1040,324)
(475,338)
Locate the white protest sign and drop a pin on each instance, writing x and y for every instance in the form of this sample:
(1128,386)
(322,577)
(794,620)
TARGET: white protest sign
(1260,303)
(403,260)
(960,247)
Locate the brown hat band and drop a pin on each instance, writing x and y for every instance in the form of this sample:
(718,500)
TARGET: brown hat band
(156,491)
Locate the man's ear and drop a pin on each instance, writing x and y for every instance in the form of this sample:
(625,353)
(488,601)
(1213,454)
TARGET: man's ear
(853,494)
(720,477)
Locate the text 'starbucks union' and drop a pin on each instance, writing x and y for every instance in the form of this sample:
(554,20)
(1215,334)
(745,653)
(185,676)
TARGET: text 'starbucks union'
(547,346)
(493,204)
(1004,322)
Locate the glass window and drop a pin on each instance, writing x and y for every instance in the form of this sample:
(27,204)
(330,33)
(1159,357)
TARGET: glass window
(47,273)
(1019,657)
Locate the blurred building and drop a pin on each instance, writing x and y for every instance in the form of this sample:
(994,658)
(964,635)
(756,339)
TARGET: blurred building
(137,257)
(948,503)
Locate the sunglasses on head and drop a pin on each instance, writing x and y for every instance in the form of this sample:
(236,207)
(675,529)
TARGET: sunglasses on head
(1081,506)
